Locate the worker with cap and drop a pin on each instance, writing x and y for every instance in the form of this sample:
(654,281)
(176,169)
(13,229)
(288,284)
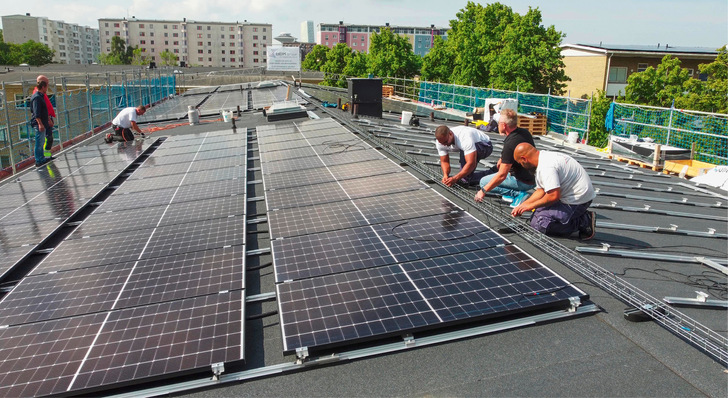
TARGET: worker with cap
(472,145)
(39,122)
(125,124)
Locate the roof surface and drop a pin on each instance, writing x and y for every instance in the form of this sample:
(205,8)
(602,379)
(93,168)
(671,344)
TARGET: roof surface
(666,48)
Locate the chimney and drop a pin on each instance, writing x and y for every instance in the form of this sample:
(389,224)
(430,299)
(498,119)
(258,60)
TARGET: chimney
(341,22)
(27,14)
(386,24)
(666,46)
(432,26)
(184,19)
(658,45)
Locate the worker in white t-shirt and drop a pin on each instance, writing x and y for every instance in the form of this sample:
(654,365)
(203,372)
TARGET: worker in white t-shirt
(472,145)
(563,194)
(125,123)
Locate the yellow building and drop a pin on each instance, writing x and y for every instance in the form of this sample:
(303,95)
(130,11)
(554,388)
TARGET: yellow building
(607,67)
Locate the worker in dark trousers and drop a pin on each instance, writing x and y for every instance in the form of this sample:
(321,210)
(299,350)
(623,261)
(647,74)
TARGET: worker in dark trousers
(48,144)
(125,124)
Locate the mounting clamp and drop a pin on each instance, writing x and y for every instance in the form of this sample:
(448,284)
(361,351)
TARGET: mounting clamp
(409,340)
(217,369)
(301,355)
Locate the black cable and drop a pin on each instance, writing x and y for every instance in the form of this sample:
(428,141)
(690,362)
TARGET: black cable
(262,315)
(257,267)
(432,239)
(712,281)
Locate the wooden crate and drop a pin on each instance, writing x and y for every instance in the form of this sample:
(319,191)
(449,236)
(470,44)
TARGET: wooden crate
(694,167)
(537,125)
(387,91)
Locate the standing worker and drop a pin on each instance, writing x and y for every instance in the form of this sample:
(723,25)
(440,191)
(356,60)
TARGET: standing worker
(40,121)
(563,194)
(472,144)
(124,123)
(48,145)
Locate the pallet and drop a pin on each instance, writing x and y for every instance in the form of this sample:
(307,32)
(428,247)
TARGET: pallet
(387,91)
(633,162)
(537,125)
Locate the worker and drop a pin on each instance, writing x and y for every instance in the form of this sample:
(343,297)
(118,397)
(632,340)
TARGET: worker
(472,145)
(125,123)
(563,194)
(48,144)
(508,178)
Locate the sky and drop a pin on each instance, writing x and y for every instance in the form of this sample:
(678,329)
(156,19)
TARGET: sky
(696,23)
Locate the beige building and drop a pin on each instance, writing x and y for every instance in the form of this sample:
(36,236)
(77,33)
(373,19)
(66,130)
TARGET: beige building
(607,67)
(195,43)
(73,44)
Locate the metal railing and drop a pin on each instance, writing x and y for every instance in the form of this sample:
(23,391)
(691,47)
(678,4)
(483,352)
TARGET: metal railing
(82,104)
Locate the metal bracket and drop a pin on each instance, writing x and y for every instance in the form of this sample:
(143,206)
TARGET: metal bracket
(301,355)
(409,340)
(701,300)
(574,303)
(217,369)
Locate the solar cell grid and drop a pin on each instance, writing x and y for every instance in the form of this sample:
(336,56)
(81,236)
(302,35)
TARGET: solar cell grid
(317,124)
(64,294)
(287,154)
(205,209)
(136,200)
(325,253)
(154,171)
(297,178)
(279,138)
(438,235)
(228,173)
(178,158)
(305,195)
(378,167)
(221,153)
(152,183)
(196,236)
(110,222)
(382,184)
(278,146)
(314,219)
(17,235)
(350,306)
(291,165)
(208,190)
(163,339)
(352,157)
(404,205)
(218,163)
(323,132)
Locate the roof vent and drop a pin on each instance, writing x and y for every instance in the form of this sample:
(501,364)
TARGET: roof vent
(27,14)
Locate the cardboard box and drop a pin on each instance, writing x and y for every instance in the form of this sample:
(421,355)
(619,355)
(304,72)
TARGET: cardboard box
(694,167)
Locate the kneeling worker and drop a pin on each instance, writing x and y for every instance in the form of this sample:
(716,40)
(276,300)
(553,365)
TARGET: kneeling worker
(472,144)
(124,123)
(563,193)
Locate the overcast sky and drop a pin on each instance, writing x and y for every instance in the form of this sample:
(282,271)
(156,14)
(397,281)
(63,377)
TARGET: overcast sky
(695,23)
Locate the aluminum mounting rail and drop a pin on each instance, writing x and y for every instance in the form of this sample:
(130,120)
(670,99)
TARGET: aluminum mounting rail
(672,229)
(649,209)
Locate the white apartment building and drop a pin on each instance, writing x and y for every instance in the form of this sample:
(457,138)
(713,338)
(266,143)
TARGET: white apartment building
(195,43)
(72,43)
(307,32)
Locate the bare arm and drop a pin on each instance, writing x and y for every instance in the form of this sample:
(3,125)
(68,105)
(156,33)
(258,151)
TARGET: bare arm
(445,166)
(500,176)
(135,127)
(540,198)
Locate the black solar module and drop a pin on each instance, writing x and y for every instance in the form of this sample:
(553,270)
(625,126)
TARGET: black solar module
(305,195)
(297,178)
(382,184)
(283,145)
(351,157)
(291,165)
(280,138)
(287,154)
(404,205)
(312,219)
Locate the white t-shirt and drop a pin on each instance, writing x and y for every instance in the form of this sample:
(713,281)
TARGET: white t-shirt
(465,139)
(558,170)
(125,117)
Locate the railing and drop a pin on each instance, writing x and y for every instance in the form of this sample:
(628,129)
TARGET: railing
(676,127)
(82,103)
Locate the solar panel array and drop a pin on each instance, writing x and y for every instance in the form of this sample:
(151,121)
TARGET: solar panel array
(363,249)
(225,100)
(174,108)
(142,289)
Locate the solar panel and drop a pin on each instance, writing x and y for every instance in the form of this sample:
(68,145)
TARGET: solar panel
(328,252)
(364,169)
(379,185)
(283,145)
(265,140)
(115,221)
(352,157)
(314,219)
(305,195)
(215,189)
(194,236)
(404,205)
(297,178)
(148,184)
(382,301)
(291,165)
(287,154)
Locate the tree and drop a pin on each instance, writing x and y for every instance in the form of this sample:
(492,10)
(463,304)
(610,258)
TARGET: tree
(36,54)
(391,55)
(120,51)
(356,64)
(658,87)
(438,64)
(598,134)
(710,95)
(316,58)
(334,66)
(168,58)
(138,58)
(9,54)
(109,59)
(494,47)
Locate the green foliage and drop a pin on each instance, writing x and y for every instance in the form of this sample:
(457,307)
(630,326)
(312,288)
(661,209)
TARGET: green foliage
(30,52)
(598,134)
(356,64)
(493,46)
(438,64)
(120,52)
(108,59)
(392,55)
(659,87)
(316,58)
(137,58)
(335,64)
(167,58)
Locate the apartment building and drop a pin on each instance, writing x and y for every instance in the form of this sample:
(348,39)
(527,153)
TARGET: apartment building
(307,32)
(607,67)
(72,43)
(357,37)
(195,43)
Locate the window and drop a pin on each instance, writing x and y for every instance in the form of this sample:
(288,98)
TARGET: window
(223,51)
(117,34)
(200,59)
(200,52)
(232,59)
(140,42)
(209,43)
(166,42)
(691,72)
(222,37)
(255,29)
(151,42)
(175,34)
(255,44)
(141,34)
(232,44)
(255,60)
(255,37)
(151,33)
(232,37)
(354,44)
(223,60)
(166,34)
(106,25)
(176,43)
(199,27)
(264,29)
(199,43)
(165,26)
(116,25)
(141,26)
(618,75)
(641,67)
(209,36)
(199,36)
(703,77)
(176,51)
(208,28)
(174,26)
(232,51)
(255,52)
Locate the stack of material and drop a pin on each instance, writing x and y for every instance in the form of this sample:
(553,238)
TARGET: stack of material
(537,124)
(387,91)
